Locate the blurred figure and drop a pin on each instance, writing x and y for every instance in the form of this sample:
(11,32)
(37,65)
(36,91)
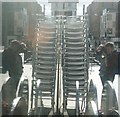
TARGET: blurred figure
(111,61)
(12,61)
(108,58)
(100,57)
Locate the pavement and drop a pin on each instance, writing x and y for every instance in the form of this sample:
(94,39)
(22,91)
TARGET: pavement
(93,74)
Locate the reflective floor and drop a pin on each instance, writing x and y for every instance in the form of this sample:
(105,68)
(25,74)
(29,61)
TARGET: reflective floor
(93,74)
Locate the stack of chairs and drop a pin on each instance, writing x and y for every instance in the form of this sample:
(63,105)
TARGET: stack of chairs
(45,62)
(75,76)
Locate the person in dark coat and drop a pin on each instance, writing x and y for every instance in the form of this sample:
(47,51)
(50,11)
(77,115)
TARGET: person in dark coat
(111,61)
(100,57)
(12,61)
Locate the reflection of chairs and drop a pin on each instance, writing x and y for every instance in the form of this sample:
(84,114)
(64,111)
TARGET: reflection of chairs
(109,101)
(19,107)
(23,90)
(92,93)
(92,98)
(8,91)
(9,99)
(8,94)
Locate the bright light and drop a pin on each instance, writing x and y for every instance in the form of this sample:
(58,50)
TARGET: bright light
(80,6)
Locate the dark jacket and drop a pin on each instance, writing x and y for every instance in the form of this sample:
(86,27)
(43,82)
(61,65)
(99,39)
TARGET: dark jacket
(112,64)
(12,62)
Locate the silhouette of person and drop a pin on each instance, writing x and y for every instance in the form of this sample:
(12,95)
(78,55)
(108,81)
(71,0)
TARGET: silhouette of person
(12,61)
(111,61)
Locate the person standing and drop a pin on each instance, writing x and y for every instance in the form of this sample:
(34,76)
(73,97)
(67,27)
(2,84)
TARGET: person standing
(111,61)
(100,57)
(12,61)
